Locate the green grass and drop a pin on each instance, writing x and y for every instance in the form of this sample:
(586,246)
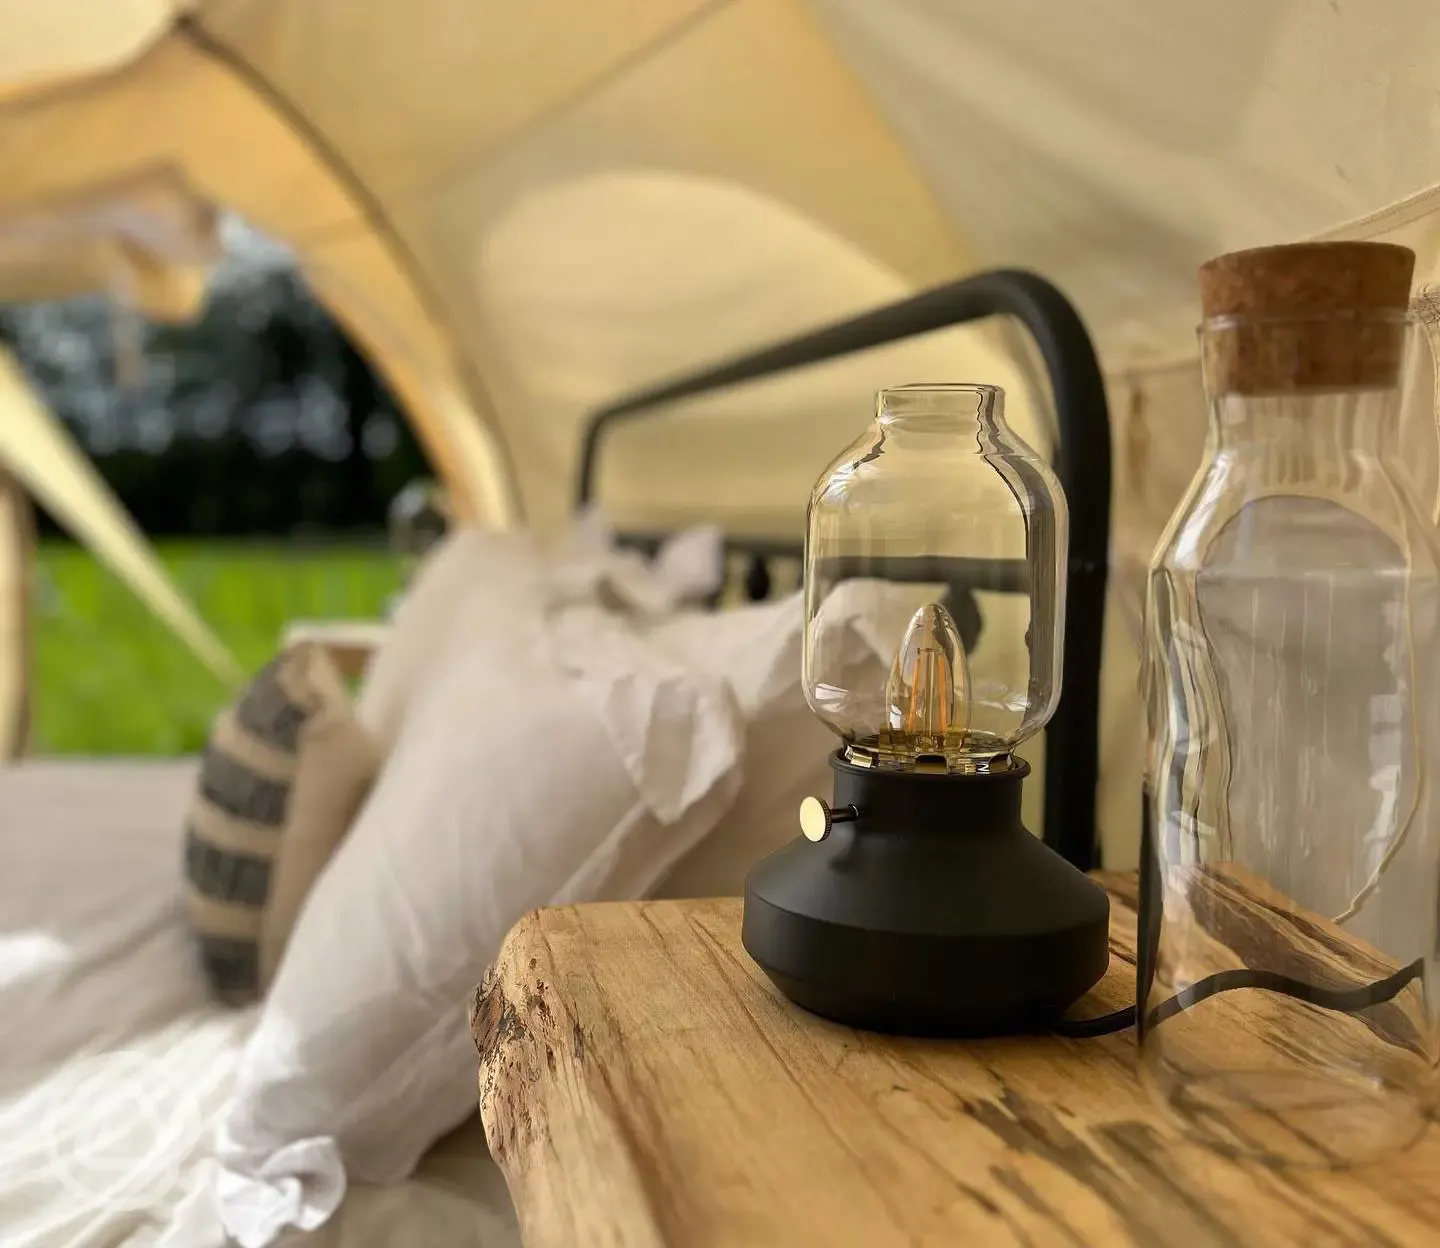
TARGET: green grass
(111,679)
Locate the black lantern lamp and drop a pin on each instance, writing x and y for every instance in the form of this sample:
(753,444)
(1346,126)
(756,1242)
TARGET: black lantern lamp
(916,901)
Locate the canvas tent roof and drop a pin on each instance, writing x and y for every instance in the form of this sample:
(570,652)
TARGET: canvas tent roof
(522,211)
(525,209)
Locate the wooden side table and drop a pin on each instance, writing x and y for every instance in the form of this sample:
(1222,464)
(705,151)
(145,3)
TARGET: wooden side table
(643,1084)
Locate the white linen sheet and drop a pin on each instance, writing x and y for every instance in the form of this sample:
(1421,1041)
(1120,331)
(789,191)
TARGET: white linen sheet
(114,1062)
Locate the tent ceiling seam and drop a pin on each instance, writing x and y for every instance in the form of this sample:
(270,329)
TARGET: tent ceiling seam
(206,43)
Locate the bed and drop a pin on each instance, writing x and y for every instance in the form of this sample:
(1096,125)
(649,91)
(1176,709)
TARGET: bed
(117,1063)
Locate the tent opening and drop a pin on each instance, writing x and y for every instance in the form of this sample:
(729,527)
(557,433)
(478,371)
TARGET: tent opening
(251,442)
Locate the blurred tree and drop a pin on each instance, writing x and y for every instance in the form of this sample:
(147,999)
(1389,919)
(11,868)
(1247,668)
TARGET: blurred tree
(261,417)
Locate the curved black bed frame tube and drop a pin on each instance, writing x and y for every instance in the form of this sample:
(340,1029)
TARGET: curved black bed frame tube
(1082,462)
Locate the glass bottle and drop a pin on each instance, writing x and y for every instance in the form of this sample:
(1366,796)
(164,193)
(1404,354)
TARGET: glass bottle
(934,590)
(1290,871)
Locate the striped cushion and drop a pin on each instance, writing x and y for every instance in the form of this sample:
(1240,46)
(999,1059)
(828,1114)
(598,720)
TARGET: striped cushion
(283,775)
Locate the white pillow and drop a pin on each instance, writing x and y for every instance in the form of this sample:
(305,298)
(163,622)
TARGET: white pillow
(472,582)
(558,755)
(558,759)
(479,583)
(787,750)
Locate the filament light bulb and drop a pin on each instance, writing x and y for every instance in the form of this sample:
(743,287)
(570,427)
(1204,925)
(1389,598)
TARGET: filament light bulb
(927,696)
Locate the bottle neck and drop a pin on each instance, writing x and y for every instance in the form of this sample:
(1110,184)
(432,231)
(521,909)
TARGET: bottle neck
(973,412)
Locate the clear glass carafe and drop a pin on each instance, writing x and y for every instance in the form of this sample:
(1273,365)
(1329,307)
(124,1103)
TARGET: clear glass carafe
(1291,870)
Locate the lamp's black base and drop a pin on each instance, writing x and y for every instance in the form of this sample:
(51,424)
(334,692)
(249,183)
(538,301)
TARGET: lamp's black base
(933,913)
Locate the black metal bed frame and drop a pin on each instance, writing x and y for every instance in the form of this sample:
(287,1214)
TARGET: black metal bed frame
(1081,460)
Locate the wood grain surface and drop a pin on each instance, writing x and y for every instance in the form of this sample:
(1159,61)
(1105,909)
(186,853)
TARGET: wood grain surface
(642,1083)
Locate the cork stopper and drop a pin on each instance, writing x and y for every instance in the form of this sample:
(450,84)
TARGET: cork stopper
(1308,316)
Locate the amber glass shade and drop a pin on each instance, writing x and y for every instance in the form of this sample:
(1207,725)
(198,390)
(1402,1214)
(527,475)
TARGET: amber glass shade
(934,586)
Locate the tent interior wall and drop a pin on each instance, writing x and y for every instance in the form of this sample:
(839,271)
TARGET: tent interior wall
(522,212)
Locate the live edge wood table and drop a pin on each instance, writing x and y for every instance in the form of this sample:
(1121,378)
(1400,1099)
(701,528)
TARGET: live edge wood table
(643,1084)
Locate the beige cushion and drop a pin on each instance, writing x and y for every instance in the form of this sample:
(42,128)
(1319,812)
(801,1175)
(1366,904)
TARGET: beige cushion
(283,775)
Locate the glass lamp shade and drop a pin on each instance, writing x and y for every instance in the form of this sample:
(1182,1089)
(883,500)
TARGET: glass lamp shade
(934,586)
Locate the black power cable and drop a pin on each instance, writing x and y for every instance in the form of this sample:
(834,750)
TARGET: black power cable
(1344,1000)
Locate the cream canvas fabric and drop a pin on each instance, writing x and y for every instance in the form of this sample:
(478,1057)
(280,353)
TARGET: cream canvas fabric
(524,211)
(58,41)
(1110,149)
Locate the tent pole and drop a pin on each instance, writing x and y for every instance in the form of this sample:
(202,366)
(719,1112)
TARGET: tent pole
(17,561)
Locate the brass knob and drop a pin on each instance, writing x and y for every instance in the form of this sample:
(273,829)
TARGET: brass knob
(817,817)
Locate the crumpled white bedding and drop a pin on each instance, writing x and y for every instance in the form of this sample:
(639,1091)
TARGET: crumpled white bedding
(114,1063)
